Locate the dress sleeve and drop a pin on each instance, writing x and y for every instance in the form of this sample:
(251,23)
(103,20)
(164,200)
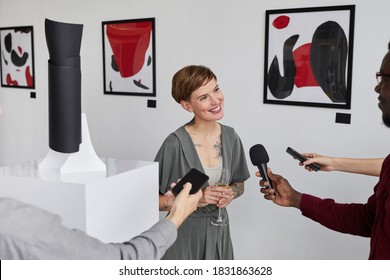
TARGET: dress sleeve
(235,154)
(167,158)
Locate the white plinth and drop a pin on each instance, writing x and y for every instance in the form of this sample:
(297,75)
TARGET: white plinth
(85,160)
(112,206)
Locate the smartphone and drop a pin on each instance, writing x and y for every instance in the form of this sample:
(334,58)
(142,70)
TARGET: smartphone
(195,177)
(301,158)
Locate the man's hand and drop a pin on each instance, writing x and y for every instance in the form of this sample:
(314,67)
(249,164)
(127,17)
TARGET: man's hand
(282,193)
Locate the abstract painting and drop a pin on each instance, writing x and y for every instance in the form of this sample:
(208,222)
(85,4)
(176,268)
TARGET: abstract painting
(129,60)
(308,56)
(17,57)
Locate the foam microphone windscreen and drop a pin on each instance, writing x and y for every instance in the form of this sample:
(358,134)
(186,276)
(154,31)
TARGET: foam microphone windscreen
(259,158)
(258,155)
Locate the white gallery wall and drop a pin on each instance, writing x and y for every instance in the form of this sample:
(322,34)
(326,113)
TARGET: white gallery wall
(228,36)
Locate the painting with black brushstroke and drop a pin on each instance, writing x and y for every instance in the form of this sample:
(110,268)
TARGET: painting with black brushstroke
(308,56)
(129,59)
(17,57)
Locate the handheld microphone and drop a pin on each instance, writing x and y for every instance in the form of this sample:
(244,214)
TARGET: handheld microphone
(259,158)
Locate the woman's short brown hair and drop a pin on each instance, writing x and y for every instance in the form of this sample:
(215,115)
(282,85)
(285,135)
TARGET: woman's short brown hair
(189,79)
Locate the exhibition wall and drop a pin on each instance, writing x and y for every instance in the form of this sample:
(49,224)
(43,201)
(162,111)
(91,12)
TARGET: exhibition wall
(229,37)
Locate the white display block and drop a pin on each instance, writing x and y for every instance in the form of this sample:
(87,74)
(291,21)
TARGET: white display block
(113,206)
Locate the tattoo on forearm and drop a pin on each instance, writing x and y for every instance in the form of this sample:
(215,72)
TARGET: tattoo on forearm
(238,188)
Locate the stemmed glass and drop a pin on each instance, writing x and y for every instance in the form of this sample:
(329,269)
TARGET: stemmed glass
(222,181)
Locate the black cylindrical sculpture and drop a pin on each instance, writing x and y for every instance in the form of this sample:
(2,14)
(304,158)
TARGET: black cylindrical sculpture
(64,43)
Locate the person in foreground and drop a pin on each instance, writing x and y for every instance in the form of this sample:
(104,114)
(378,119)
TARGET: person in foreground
(29,232)
(371,219)
(204,144)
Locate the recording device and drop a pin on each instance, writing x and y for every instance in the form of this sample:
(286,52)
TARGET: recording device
(259,158)
(195,177)
(301,158)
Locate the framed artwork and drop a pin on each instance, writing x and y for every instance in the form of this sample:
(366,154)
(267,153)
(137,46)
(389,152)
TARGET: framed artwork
(17,57)
(308,56)
(129,57)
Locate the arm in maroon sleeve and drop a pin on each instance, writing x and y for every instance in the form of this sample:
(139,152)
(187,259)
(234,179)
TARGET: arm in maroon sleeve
(356,219)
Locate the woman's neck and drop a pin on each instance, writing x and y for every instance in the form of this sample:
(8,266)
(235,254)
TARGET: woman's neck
(206,138)
(203,129)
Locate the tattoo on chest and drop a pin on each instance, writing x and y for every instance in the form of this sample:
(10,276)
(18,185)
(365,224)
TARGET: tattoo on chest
(218,148)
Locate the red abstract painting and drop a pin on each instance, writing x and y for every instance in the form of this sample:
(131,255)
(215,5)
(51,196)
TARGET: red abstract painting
(17,57)
(129,57)
(308,57)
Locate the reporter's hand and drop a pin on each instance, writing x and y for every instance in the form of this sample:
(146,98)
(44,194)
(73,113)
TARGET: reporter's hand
(166,200)
(282,193)
(326,163)
(365,166)
(183,205)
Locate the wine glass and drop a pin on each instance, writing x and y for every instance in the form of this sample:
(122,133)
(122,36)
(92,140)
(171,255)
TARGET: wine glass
(221,181)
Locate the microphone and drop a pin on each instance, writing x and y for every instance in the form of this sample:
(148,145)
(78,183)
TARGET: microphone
(259,158)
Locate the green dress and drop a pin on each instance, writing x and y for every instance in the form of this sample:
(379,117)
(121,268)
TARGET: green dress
(197,238)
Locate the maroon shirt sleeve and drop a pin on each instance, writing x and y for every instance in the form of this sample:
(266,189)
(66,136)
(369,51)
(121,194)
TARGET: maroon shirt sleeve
(356,219)
(369,219)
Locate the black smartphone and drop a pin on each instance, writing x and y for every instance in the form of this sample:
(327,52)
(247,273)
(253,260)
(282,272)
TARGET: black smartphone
(301,158)
(195,177)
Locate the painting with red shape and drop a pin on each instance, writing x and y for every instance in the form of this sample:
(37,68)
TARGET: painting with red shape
(304,76)
(17,57)
(129,42)
(129,57)
(281,22)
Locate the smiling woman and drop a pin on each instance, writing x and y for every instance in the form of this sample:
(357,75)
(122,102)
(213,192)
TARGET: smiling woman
(204,144)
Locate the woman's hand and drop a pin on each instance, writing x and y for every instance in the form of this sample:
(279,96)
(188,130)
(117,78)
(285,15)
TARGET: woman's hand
(226,196)
(219,196)
(210,196)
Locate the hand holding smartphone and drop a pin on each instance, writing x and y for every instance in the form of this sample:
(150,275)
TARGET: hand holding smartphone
(195,177)
(301,158)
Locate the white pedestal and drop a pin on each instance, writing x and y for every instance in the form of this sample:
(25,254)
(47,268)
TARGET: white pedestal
(85,160)
(113,206)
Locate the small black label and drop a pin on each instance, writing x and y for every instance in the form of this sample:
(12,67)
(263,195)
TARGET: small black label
(343,118)
(152,104)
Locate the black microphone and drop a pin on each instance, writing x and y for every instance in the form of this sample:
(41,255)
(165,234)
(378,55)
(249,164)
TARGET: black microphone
(259,158)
